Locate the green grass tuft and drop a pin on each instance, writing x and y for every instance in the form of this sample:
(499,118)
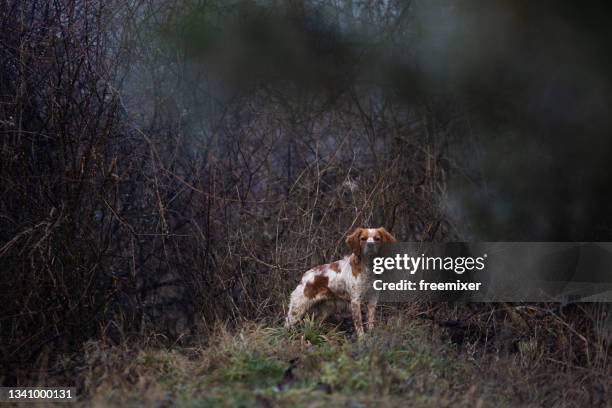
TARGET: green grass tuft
(252,369)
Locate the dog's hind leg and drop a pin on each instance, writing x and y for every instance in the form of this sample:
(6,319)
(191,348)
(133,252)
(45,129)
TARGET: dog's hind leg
(325,309)
(298,306)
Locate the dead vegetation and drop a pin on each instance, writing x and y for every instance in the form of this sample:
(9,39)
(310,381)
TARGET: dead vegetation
(259,365)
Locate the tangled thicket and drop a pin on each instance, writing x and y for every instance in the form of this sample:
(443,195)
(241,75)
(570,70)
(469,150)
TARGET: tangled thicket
(168,209)
(112,225)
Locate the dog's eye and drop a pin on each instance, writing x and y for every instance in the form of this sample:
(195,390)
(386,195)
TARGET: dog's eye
(376,238)
(363,238)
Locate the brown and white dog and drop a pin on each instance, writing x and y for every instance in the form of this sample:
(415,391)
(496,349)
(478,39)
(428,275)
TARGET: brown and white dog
(348,280)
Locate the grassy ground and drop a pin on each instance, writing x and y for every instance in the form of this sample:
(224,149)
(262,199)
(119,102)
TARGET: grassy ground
(399,363)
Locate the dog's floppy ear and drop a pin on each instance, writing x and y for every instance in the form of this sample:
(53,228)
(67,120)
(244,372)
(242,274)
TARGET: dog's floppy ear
(353,242)
(386,235)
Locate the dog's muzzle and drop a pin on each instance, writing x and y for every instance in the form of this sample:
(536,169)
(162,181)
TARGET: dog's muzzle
(371,248)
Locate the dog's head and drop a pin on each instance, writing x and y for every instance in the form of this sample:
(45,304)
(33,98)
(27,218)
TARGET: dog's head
(367,241)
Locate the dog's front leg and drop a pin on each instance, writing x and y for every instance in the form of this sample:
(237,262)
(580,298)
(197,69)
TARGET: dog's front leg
(356,311)
(371,314)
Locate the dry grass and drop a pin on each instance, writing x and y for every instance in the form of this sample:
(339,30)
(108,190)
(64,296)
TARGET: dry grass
(405,359)
(314,366)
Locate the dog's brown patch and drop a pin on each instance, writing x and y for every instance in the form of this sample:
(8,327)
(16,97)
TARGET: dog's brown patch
(353,241)
(335,266)
(355,266)
(385,235)
(317,286)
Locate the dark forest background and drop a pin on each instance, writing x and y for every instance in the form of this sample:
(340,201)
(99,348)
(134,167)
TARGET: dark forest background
(168,165)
